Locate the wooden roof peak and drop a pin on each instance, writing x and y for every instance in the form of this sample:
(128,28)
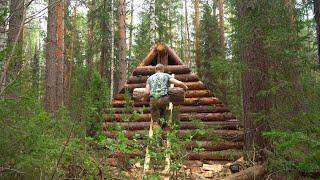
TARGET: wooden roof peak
(161,53)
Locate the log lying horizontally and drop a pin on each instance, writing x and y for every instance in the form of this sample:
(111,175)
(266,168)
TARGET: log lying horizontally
(230,135)
(229,155)
(254,172)
(183,125)
(197,85)
(183,117)
(181,77)
(205,145)
(171,69)
(182,109)
(187,101)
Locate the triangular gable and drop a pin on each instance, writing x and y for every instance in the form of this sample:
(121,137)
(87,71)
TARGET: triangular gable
(160,51)
(200,103)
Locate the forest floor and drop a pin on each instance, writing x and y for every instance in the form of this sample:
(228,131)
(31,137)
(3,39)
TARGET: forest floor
(193,170)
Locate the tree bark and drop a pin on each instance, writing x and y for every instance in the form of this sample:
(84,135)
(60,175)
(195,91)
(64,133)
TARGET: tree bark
(90,53)
(131,31)
(60,53)
(112,53)
(187,36)
(104,42)
(122,44)
(316,4)
(254,77)
(51,68)
(221,25)
(3,34)
(197,35)
(17,10)
(153,28)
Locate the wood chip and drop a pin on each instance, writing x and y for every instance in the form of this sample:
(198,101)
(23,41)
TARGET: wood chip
(214,167)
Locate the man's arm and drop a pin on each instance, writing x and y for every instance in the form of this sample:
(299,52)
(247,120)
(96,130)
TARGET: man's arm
(178,83)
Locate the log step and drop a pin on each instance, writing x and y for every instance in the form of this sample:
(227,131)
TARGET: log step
(231,124)
(198,85)
(170,69)
(183,117)
(119,101)
(230,135)
(181,77)
(181,109)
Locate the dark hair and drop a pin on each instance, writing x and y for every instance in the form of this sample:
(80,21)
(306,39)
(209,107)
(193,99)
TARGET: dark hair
(160,67)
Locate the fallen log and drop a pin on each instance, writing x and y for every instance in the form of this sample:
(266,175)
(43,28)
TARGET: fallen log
(254,172)
(181,77)
(183,125)
(171,69)
(183,117)
(213,146)
(230,135)
(182,109)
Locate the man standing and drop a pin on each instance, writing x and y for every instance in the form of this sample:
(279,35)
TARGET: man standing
(157,87)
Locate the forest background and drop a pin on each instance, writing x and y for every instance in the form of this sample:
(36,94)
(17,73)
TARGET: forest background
(62,61)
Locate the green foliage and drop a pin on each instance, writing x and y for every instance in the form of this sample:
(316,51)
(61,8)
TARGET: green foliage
(295,151)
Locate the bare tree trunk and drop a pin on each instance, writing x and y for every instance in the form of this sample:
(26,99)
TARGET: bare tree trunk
(3,34)
(316,4)
(17,10)
(122,43)
(51,68)
(104,42)
(60,53)
(112,53)
(221,25)
(187,36)
(130,31)
(197,36)
(254,78)
(70,62)
(153,29)
(90,40)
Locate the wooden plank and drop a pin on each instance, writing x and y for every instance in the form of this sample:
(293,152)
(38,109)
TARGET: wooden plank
(181,77)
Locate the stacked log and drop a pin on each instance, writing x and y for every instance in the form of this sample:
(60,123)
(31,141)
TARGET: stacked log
(232,124)
(183,117)
(199,104)
(181,77)
(170,69)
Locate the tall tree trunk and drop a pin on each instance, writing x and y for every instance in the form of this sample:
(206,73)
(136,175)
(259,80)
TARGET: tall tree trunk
(122,43)
(153,29)
(60,52)
(197,35)
(3,34)
(70,61)
(131,31)
(17,10)
(89,55)
(187,34)
(104,42)
(221,25)
(316,4)
(51,68)
(254,77)
(112,53)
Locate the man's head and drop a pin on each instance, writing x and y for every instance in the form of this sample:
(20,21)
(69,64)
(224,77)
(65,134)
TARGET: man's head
(159,68)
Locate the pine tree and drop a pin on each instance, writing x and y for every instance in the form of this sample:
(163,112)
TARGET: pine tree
(122,44)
